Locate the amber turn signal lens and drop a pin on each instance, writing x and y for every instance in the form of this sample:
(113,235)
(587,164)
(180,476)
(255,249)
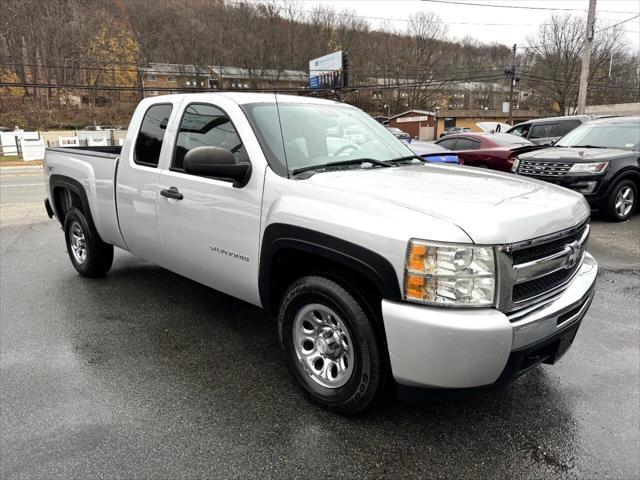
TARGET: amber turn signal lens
(416,258)
(415,287)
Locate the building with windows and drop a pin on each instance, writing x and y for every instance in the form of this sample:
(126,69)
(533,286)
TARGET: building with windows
(164,77)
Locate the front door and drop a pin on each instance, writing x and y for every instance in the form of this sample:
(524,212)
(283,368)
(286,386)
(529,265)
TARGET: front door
(209,230)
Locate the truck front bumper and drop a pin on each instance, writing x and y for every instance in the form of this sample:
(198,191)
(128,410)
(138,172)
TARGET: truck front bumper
(436,347)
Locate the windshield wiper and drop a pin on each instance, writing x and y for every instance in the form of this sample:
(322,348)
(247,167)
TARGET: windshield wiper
(355,161)
(408,157)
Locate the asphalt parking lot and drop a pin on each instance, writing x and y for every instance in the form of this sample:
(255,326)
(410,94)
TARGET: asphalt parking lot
(145,374)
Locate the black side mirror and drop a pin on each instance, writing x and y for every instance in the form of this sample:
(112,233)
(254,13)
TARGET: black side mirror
(217,163)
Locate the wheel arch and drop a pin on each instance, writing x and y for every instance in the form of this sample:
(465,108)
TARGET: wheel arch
(629,173)
(67,192)
(289,252)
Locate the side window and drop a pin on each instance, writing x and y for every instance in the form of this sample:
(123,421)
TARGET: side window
(467,144)
(542,130)
(151,134)
(563,127)
(204,125)
(448,143)
(520,131)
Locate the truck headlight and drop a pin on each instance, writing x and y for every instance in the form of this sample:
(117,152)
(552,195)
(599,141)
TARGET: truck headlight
(450,274)
(594,168)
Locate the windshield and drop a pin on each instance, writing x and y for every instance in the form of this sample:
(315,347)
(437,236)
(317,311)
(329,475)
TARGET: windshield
(317,134)
(625,136)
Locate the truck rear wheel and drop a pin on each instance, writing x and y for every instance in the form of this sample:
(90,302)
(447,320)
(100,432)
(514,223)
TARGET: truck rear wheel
(331,346)
(90,256)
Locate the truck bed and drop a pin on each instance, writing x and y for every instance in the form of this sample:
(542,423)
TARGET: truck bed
(94,168)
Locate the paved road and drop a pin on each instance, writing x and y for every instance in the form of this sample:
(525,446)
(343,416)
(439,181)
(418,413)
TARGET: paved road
(148,375)
(21,195)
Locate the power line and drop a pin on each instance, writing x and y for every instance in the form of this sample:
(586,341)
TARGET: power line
(521,7)
(397,85)
(253,72)
(616,24)
(407,20)
(573,83)
(392,19)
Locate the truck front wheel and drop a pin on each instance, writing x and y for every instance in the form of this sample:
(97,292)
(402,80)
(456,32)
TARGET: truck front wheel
(331,346)
(90,256)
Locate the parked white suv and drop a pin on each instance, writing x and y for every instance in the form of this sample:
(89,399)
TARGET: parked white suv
(378,265)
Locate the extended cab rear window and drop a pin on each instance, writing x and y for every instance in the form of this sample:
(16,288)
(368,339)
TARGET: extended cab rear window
(151,135)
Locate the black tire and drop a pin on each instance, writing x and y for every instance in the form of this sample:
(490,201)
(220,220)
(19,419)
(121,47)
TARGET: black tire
(98,256)
(367,382)
(610,210)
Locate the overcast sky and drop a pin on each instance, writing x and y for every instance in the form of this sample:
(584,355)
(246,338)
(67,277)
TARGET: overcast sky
(513,25)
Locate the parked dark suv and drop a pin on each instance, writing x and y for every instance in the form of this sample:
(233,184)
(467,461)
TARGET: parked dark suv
(545,131)
(600,159)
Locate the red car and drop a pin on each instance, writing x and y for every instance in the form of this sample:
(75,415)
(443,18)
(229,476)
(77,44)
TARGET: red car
(496,151)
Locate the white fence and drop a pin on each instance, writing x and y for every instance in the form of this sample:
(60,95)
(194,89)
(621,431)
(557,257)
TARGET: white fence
(9,141)
(32,149)
(32,144)
(68,142)
(97,142)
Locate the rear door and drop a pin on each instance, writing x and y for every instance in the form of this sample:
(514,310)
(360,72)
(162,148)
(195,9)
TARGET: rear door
(211,233)
(137,178)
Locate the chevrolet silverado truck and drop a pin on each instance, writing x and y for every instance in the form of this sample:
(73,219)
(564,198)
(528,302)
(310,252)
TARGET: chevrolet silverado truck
(382,270)
(600,159)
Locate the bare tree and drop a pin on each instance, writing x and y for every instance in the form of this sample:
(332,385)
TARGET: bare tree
(556,61)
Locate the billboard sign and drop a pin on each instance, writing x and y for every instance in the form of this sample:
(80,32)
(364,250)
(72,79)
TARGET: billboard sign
(327,71)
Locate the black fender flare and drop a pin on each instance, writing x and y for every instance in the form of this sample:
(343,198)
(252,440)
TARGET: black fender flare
(62,181)
(279,236)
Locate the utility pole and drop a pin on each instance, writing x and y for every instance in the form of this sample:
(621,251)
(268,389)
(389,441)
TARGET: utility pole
(586,58)
(511,73)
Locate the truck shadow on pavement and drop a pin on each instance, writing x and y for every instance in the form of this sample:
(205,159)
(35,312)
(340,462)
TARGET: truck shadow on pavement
(211,366)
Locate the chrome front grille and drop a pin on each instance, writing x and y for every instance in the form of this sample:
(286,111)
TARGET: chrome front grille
(536,271)
(543,169)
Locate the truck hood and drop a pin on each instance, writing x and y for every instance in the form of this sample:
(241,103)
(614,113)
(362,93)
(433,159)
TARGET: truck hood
(491,207)
(576,155)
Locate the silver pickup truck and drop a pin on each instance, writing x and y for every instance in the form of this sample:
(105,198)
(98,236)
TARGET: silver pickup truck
(381,269)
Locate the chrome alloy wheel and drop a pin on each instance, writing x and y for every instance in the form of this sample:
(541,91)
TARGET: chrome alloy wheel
(323,345)
(624,201)
(78,243)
